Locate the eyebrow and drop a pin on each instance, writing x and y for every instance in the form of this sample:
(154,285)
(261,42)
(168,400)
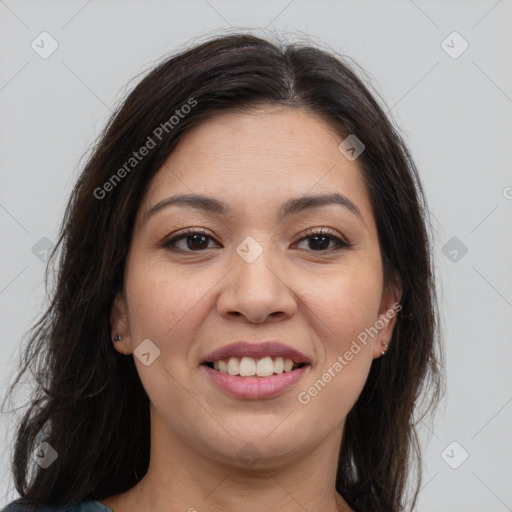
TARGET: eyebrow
(290,207)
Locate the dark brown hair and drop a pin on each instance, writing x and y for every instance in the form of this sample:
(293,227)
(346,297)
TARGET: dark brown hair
(89,403)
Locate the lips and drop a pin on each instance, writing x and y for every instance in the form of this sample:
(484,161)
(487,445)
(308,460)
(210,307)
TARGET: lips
(256,351)
(268,383)
(255,388)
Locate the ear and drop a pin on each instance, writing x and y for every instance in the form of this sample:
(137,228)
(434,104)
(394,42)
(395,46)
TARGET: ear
(120,325)
(388,311)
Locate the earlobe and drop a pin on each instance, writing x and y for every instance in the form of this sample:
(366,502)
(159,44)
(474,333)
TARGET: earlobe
(120,329)
(390,307)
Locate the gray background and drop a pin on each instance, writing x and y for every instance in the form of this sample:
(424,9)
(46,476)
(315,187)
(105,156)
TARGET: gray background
(454,112)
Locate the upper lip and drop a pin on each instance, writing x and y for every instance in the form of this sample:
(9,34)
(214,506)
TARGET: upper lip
(257,351)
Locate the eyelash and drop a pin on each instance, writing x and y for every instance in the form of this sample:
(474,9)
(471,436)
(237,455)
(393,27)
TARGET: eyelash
(339,243)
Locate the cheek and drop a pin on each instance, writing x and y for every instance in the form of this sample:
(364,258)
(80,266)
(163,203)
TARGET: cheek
(166,307)
(345,302)
(164,301)
(341,310)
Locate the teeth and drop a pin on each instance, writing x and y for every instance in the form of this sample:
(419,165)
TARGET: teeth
(233,366)
(249,367)
(265,367)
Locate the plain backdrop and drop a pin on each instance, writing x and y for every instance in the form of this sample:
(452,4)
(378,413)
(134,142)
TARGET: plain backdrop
(441,67)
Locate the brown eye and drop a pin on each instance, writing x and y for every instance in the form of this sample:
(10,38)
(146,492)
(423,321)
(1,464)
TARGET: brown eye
(197,241)
(194,241)
(320,240)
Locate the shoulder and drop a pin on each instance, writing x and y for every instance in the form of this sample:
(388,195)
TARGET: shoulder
(82,506)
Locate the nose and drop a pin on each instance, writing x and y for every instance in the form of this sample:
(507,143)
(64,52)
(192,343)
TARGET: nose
(257,290)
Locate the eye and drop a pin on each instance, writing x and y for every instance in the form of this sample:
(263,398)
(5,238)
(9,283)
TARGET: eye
(195,240)
(320,239)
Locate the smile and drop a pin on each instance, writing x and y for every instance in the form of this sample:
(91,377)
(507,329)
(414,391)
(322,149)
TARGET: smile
(250,367)
(254,387)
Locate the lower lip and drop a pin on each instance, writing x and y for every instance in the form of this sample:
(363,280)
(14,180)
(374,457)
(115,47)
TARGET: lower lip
(255,387)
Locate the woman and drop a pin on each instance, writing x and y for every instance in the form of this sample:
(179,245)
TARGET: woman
(245,310)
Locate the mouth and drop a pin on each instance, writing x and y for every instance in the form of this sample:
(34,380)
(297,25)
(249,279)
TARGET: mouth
(255,371)
(255,367)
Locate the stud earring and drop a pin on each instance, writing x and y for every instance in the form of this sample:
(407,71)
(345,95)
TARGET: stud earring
(118,338)
(385,343)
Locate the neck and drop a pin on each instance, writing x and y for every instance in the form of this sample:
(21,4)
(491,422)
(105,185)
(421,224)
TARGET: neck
(181,478)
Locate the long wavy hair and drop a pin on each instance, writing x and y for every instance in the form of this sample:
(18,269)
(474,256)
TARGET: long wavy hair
(88,402)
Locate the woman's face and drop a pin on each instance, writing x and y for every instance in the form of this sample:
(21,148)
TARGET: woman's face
(254,273)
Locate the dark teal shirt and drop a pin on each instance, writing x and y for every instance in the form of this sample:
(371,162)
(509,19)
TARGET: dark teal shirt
(82,506)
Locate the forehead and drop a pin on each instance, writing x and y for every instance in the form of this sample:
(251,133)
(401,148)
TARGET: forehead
(254,158)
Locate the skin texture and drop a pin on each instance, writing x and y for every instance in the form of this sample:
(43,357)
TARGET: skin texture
(192,302)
